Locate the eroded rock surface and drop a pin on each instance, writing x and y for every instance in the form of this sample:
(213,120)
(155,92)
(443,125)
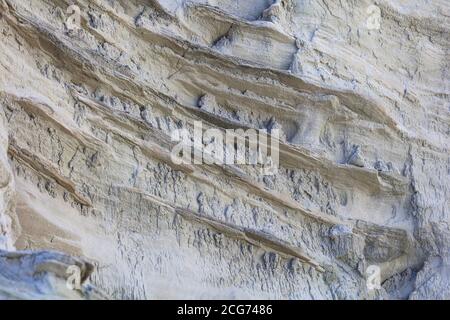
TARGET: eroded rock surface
(362,101)
(43,275)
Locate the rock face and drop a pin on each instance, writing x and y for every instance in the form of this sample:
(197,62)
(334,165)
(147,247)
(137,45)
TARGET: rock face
(92,91)
(43,275)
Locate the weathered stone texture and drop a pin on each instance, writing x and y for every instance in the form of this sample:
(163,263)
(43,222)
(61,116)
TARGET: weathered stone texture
(85,139)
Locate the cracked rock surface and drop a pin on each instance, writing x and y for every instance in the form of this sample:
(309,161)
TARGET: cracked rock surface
(42,275)
(87,113)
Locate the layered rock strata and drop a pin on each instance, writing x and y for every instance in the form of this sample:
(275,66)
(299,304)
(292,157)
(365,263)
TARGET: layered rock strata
(362,102)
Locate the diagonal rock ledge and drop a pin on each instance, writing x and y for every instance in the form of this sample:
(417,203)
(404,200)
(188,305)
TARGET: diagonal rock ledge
(85,151)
